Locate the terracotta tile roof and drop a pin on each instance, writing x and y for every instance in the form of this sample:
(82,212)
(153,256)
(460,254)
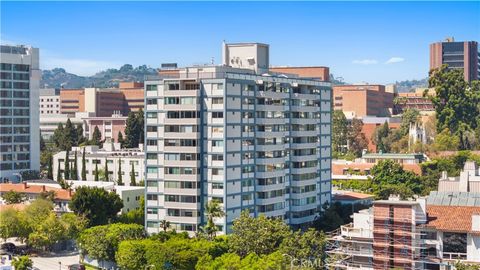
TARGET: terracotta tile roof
(351,196)
(60,194)
(451,218)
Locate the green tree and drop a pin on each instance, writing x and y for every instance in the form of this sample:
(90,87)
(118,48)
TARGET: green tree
(96,137)
(409,116)
(260,235)
(74,173)
(84,166)
(96,171)
(10,225)
(132,176)
(66,170)
(456,103)
(59,138)
(131,254)
(48,195)
(136,215)
(119,173)
(47,233)
(380,138)
(70,134)
(213,209)
(466,266)
(339,132)
(96,204)
(390,178)
(357,141)
(107,173)
(445,141)
(140,125)
(50,166)
(59,173)
(79,135)
(132,136)
(120,139)
(164,224)
(43,146)
(13,197)
(73,225)
(102,242)
(22,263)
(308,245)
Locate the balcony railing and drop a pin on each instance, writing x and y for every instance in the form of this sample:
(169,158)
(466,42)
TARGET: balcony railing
(454,256)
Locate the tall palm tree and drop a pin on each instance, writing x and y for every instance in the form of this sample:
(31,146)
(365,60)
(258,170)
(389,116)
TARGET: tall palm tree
(213,209)
(164,224)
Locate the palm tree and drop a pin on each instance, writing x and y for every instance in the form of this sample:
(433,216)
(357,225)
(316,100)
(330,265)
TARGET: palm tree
(164,224)
(213,209)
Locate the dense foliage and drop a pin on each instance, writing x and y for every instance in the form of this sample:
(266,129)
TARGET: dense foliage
(96,204)
(457,106)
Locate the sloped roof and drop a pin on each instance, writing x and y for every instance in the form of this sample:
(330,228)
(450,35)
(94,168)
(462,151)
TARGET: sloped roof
(60,194)
(451,218)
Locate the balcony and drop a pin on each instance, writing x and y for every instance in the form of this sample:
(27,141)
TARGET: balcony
(350,231)
(454,256)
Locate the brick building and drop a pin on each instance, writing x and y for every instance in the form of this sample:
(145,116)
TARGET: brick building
(320,73)
(362,100)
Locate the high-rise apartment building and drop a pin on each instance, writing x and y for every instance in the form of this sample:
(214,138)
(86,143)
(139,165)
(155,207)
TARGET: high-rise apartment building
(253,142)
(19,117)
(458,55)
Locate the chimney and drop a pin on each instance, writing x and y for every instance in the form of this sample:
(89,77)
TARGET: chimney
(43,188)
(25,185)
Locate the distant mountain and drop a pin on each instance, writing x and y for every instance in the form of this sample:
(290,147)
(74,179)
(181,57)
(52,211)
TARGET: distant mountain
(410,85)
(58,77)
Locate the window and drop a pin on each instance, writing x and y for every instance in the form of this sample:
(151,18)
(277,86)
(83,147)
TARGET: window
(151,101)
(152,197)
(218,157)
(217,185)
(152,170)
(152,128)
(217,100)
(152,142)
(217,143)
(217,114)
(151,115)
(152,211)
(217,171)
(151,156)
(151,87)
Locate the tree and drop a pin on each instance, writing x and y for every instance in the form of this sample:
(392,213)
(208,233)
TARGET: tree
(70,134)
(308,245)
(409,116)
(59,173)
(50,166)
(96,171)
(120,139)
(22,263)
(13,197)
(66,170)
(47,233)
(59,138)
(96,204)
(339,132)
(380,138)
(140,125)
(357,141)
(74,173)
(390,178)
(102,242)
(73,225)
(164,224)
(84,166)
(10,225)
(136,215)
(132,136)
(132,176)
(213,209)
(48,195)
(119,173)
(80,137)
(131,254)
(445,141)
(455,102)
(107,174)
(260,235)
(43,146)
(96,137)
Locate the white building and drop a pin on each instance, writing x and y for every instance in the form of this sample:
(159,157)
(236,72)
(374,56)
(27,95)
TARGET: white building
(110,153)
(250,141)
(19,121)
(49,101)
(49,122)
(468,181)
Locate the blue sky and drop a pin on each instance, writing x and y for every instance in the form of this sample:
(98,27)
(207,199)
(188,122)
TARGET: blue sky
(375,42)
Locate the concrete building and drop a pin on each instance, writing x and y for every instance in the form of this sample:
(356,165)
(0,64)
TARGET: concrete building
(468,181)
(414,100)
(250,141)
(49,101)
(357,101)
(462,55)
(108,126)
(254,56)
(19,112)
(111,153)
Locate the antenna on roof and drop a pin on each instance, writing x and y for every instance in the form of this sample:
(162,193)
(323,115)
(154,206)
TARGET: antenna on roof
(213,60)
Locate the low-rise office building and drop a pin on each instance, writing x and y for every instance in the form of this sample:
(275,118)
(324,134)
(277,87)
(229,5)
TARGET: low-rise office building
(127,160)
(357,101)
(49,101)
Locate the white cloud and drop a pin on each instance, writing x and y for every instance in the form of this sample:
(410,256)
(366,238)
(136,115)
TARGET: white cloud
(365,62)
(394,60)
(82,67)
